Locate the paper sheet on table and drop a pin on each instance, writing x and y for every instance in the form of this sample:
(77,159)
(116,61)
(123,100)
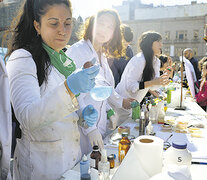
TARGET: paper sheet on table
(139,95)
(71,175)
(130,125)
(174,172)
(197,146)
(75,175)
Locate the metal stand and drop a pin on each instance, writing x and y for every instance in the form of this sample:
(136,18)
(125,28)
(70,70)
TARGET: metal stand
(181,94)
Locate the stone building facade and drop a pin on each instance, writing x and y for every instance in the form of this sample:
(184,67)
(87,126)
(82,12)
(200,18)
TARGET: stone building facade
(8,9)
(180,26)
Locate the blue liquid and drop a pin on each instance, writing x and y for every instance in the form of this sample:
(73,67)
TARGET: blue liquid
(101,93)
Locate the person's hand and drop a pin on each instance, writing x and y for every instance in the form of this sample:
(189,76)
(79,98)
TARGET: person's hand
(162,80)
(169,71)
(126,104)
(113,121)
(95,138)
(154,93)
(170,61)
(90,115)
(202,84)
(83,81)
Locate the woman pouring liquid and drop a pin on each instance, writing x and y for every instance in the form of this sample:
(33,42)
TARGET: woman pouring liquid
(44,83)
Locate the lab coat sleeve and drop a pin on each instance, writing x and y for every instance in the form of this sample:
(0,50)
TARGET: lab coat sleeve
(31,109)
(108,107)
(115,99)
(80,53)
(134,71)
(157,68)
(6,124)
(86,131)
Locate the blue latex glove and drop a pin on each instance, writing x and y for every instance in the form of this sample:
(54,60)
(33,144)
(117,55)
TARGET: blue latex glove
(90,115)
(83,81)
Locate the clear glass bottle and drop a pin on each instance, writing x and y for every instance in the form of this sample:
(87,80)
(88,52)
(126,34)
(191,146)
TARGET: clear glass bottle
(153,113)
(103,166)
(95,157)
(161,113)
(146,112)
(124,146)
(142,124)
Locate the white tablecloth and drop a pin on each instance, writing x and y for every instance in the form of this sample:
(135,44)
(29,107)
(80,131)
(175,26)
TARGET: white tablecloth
(197,146)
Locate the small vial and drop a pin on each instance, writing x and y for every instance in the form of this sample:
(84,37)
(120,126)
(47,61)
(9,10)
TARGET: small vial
(111,161)
(165,107)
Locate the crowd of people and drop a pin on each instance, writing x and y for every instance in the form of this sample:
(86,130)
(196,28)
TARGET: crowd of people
(48,89)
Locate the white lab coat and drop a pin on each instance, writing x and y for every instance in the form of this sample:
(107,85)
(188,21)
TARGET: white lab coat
(50,143)
(190,75)
(5,124)
(82,52)
(129,84)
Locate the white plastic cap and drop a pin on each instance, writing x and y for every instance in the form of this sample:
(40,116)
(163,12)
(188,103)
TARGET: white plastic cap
(142,116)
(84,158)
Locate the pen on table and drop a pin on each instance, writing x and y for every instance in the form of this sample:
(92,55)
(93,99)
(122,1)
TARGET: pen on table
(168,137)
(202,163)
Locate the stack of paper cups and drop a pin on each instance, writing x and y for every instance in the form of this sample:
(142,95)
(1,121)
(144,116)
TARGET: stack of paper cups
(143,160)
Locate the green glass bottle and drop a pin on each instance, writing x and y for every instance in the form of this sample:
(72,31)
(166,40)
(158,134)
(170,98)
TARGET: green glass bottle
(135,110)
(169,96)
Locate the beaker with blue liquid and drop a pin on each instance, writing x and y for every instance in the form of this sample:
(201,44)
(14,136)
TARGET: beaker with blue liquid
(102,89)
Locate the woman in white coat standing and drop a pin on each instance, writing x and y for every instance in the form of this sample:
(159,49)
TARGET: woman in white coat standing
(142,73)
(5,124)
(43,89)
(101,39)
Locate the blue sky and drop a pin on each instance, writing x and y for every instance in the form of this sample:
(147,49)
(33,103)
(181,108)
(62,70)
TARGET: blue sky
(87,8)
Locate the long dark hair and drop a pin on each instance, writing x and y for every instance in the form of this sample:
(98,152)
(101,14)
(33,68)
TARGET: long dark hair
(113,48)
(24,35)
(145,43)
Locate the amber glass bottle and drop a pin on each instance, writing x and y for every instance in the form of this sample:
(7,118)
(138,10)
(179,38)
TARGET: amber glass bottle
(124,146)
(95,157)
(111,161)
